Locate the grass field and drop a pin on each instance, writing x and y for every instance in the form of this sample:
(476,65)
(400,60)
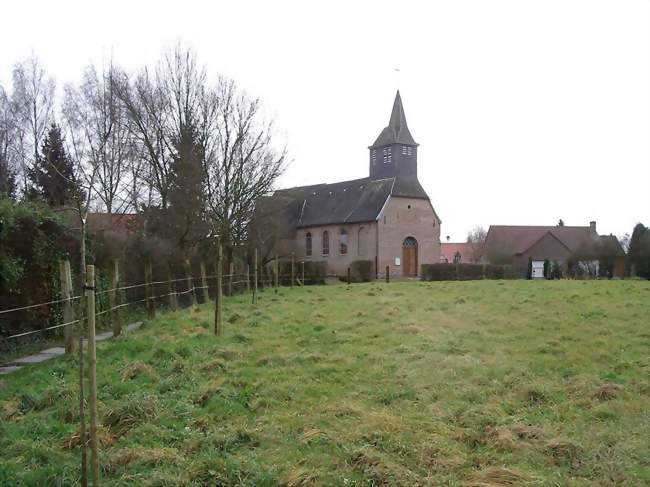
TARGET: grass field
(482,383)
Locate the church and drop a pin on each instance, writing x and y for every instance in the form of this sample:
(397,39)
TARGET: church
(386,218)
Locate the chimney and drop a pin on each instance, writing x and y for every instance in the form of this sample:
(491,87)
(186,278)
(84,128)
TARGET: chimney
(592,226)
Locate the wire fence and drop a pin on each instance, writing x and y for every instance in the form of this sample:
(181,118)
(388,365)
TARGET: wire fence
(233,283)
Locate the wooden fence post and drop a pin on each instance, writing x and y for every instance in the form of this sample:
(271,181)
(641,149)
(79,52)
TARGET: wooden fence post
(82,400)
(277,273)
(171,288)
(68,313)
(387,274)
(302,274)
(218,297)
(151,305)
(248,278)
(92,370)
(292,274)
(204,284)
(114,299)
(190,282)
(255,277)
(231,270)
(349,275)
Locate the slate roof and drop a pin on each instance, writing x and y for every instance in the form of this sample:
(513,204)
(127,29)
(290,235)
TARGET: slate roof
(514,239)
(355,201)
(397,131)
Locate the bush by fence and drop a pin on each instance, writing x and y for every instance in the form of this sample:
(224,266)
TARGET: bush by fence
(465,272)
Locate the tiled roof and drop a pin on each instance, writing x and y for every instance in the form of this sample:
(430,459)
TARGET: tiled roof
(355,201)
(513,239)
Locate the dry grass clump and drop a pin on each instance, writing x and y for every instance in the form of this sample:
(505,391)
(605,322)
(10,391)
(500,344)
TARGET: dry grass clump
(130,413)
(133,370)
(607,391)
(206,392)
(104,437)
(565,452)
(214,364)
(143,456)
(312,434)
(298,478)
(496,477)
(9,408)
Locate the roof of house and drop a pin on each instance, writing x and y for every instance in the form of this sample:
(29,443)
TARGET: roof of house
(397,131)
(449,249)
(120,222)
(355,201)
(518,239)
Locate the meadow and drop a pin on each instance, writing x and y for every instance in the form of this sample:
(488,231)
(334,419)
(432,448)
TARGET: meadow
(483,383)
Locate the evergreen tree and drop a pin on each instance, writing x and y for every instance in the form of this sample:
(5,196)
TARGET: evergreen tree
(639,252)
(186,195)
(52,177)
(7,180)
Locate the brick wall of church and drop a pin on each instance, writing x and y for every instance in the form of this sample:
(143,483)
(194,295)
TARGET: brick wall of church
(401,218)
(361,244)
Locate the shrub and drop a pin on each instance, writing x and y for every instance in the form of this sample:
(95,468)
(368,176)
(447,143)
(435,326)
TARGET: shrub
(32,241)
(467,272)
(438,272)
(315,272)
(491,271)
(361,270)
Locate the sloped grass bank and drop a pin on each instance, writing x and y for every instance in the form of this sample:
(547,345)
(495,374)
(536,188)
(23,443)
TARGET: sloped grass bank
(457,383)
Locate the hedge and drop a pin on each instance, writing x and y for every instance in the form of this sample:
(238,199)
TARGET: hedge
(360,271)
(315,272)
(464,272)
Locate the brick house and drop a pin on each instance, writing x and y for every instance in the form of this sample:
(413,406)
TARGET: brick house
(386,218)
(457,253)
(516,245)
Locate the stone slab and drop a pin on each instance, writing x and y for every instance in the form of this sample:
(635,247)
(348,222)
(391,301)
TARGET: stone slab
(9,369)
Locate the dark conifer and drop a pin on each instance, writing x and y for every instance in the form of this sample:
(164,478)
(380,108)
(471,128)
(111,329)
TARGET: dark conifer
(52,177)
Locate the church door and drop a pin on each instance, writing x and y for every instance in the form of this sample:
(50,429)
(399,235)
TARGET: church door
(410,257)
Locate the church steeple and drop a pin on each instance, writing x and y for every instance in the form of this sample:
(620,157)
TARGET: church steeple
(394,153)
(397,131)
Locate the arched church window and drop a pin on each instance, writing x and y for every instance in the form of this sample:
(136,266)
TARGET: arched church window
(343,241)
(326,243)
(308,244)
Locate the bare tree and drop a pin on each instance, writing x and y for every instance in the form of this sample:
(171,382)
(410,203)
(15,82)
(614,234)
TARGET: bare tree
(98,129)
(242,164)
(33,107)
(7,141)
(476,239)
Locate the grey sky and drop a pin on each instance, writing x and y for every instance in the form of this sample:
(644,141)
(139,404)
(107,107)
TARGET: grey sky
(526,112)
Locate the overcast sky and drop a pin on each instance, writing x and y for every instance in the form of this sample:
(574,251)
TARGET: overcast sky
(525,111)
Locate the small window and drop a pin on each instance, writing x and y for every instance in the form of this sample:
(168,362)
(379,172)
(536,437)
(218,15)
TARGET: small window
(374,157)
(409,207)
(457,257)
(308,244)
(387,155)
(409,152)
(343,241)
(404,149)
(326,243)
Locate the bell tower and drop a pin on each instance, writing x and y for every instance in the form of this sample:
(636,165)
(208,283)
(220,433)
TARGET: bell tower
(394,153)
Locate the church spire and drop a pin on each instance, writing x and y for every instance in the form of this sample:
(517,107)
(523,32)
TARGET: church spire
(397,131)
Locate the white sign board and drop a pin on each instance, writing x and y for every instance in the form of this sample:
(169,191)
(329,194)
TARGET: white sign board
(397,261)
